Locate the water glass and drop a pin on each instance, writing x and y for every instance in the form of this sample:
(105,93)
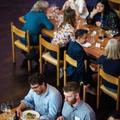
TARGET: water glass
(3,107)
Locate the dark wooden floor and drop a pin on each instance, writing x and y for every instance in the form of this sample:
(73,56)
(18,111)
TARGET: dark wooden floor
(13,79)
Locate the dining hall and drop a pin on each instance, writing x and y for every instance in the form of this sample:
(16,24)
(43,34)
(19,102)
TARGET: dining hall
(60,60)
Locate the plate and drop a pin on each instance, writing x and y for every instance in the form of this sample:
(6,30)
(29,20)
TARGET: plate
(24,114)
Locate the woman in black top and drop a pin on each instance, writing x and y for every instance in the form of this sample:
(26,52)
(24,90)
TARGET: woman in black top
(110,62)
(104,16)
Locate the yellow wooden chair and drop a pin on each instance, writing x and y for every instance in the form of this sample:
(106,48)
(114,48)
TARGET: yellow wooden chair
(85,89)
(45,48)
(116,6)
(73,62)
(68,60)
(16,34)
(101,88)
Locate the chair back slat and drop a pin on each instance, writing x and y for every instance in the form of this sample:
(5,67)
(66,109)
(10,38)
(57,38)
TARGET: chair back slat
(49,46)
(109,78)
(17,31)
(101,87)
(70,60)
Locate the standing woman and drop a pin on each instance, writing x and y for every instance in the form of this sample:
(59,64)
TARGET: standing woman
(110,62)
(78,5)
(104,16)
(36,19)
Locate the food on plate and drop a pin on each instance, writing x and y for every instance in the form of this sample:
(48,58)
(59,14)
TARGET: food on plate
(30,116)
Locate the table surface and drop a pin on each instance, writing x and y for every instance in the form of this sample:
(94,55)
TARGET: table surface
(92,51)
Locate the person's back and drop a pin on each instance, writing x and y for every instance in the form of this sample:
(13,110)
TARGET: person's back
(110,66)
(76,51)
(35,21)
(110,62)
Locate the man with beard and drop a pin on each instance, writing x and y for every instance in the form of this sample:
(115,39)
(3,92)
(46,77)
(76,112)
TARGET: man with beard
(42,97)
(74,108)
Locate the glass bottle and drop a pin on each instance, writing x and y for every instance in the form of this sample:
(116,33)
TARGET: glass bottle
(16,117)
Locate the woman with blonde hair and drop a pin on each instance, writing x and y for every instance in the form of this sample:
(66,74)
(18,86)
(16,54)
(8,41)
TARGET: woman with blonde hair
(36,19)
(110,61)
(79,6)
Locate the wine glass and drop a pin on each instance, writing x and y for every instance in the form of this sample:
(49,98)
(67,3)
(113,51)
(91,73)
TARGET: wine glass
(3,107)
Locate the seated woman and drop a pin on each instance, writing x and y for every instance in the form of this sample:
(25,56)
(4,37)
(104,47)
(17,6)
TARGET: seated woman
(76,51)
(36,19)
(110,62)
(79,6)
(103,16)
(65,31)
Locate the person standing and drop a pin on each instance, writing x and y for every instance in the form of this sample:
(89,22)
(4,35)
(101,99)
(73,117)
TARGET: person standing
(79,6)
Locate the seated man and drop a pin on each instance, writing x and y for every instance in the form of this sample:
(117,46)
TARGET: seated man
(76,51)
(74,108)
(42,97)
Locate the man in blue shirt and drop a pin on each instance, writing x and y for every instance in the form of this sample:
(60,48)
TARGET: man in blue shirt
(42,97)
(74,108)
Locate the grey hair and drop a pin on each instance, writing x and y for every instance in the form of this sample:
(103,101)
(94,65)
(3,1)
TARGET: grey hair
(112,49)
(40,5)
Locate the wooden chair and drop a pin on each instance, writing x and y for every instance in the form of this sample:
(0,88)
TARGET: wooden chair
(68,60)
(101,88)
(85,89)
(16,34)
(116,6)
(45,55)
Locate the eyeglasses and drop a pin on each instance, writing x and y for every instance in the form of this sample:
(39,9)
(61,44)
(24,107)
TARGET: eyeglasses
(34,86)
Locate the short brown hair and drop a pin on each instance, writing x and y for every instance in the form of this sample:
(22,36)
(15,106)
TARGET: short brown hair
(72,87)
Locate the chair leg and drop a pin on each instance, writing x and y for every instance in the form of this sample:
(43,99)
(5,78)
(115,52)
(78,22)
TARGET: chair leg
(117,105)
(98,97)
(58,76)
(13,54)
(29,65)
(41,66)
(84,92)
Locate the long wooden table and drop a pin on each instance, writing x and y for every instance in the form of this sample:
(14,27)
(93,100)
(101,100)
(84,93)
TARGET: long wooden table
(92,51)
(6,116)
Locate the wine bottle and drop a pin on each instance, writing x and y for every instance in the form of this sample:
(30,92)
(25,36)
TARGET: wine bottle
(16,116)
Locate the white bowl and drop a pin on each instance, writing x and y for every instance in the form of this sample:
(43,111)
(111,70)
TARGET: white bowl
(24,113)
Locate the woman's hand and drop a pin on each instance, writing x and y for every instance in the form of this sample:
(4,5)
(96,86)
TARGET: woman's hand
(98,23)
(93,13)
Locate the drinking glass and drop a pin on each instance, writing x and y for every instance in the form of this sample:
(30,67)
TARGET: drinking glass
(3,107)
(101,35)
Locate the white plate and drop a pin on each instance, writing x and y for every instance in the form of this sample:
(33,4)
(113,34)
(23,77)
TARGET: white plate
(24,113)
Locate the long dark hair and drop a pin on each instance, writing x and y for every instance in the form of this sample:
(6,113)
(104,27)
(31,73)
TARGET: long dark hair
(69,17)
(107,7)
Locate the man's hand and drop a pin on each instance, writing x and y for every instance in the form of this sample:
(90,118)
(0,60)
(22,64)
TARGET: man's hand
(19,112)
